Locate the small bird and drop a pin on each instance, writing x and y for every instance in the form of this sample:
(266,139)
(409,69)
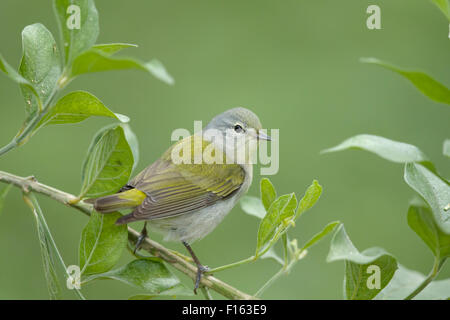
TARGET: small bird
(186,200)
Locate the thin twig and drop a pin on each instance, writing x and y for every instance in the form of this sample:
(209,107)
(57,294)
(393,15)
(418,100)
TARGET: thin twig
(31,184)
(28,130)
(270,282)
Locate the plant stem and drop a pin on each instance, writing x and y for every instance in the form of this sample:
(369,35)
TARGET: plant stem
(28,130)
(28,184)
(285,249)
(232,265)
(300,254)
(437,266)
(270,281)
(8,147)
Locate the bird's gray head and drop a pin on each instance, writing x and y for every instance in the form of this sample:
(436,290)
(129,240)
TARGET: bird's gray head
(236,131)
(241,121)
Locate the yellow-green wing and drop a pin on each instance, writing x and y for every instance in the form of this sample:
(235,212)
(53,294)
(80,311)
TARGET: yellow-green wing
(173,189)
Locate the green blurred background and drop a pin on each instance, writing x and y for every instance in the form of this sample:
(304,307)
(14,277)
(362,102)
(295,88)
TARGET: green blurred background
(295,63)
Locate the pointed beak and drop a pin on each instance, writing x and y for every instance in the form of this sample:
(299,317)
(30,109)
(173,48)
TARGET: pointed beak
(263,136)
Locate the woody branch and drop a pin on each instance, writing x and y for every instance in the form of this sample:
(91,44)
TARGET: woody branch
(31,184)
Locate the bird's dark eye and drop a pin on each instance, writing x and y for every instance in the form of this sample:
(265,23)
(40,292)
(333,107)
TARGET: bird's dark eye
(238,128)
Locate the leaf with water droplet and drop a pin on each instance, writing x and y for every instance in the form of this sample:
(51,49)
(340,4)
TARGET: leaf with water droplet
(40,65)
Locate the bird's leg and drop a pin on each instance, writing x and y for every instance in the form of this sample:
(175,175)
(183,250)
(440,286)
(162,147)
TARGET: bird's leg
(200,268)
(141,237)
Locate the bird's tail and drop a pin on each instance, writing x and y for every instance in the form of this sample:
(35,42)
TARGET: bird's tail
(118,201)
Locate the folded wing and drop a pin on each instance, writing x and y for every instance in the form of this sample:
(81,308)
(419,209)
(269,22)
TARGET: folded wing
(174,189)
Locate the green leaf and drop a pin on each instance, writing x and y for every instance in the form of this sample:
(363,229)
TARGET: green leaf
(272,254)
(15,76)
(47,248)
(101,243)
(40,65)
(443,6)
(179,290)
(435,191)
(310,198)
(360,281)
(111,48)
(132,142)
(446,148)
(143,297)
(268,193)
(253,206)
(391,150)
(108,164)
(96,60)
(76,40)
(318,236)
(3,194)
(76,107)
(421,220)
(282,214)
(149,274)
(423,82)
(276,220)
(405,281)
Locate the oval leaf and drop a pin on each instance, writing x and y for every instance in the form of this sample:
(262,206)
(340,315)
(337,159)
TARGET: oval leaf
(96,60)
(108,164)
(76,107)
(48,248)
(101,243)
(421,220)
(77,39)
(268,193)
(385,148)
(423,82)
(149,274)
(310,198)
(40,65)
(435,191)
(360,281)
(253,206)
(318,236)
(274,222)
(112,48)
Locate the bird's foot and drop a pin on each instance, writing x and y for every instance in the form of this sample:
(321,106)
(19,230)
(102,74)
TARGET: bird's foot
(141,238)
(201,269)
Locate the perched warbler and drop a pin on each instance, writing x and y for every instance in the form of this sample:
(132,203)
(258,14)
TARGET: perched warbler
(184,195)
